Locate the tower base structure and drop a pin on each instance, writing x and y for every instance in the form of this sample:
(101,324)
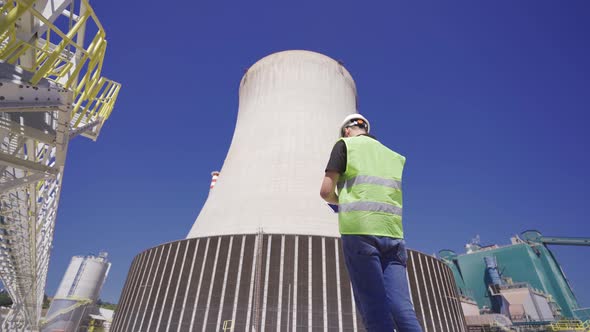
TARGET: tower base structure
(273,282)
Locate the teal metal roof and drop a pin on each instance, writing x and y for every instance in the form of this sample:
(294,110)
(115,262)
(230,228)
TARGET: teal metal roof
(533,264)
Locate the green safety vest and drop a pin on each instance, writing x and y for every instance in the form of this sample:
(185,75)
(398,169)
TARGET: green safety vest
(370,190)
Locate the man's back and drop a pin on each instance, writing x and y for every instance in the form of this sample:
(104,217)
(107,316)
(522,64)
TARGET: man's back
(370,196)
(368,177)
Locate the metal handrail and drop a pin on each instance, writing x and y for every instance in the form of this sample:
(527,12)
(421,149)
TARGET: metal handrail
(63,61)
(568,325)
(75,305)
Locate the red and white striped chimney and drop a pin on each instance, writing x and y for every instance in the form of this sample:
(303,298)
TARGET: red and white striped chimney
(214,176)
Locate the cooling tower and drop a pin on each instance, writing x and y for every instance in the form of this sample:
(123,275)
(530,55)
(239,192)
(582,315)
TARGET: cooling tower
(291,104)
(264,253)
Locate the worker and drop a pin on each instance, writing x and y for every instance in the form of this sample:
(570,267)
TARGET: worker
(368,177)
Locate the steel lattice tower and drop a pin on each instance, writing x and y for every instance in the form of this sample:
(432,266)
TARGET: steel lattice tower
(51,90)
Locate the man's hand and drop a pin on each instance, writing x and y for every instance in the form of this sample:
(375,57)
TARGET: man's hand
(328,190)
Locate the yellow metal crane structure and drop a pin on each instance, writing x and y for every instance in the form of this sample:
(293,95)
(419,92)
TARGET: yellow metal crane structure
(570,326)
(51,90)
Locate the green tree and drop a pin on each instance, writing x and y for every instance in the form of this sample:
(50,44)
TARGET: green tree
(5,300)
(46,301)
(106,305)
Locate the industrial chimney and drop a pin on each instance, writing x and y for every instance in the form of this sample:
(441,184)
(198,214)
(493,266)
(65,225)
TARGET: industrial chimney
(214,177)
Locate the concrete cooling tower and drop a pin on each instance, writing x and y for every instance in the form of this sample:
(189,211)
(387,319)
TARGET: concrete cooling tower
(291,104)
(264,252)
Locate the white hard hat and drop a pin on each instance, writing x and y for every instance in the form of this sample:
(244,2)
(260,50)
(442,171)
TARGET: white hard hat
(351,120)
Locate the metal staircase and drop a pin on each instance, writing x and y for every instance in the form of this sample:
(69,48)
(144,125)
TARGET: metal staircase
(51,90)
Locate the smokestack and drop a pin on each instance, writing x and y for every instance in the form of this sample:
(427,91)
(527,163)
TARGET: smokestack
(214,176)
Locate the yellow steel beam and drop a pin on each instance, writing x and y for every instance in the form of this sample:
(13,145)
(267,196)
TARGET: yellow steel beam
(94,95)
(15,12)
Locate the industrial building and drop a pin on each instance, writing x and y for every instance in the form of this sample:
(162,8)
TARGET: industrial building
(76,296)
(520,284)
(264,252)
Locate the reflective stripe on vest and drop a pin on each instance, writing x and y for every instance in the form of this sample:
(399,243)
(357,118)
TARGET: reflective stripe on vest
(370,206)
(368,179)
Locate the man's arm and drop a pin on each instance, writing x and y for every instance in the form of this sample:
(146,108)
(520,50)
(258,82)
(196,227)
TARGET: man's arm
(328,190)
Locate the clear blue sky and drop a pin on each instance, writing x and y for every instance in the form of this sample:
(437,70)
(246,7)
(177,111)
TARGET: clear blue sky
(489,101)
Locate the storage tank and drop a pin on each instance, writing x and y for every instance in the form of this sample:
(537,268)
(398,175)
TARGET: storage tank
(77,293)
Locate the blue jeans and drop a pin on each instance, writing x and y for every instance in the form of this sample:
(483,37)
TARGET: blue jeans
(377,269)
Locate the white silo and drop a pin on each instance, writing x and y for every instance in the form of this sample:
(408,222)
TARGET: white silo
(77,293)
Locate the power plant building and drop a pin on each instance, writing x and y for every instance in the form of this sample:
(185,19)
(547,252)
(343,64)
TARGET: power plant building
(522,281)
(264,252)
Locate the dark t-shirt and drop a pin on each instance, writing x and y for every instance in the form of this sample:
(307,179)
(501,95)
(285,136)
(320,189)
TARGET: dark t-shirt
(337,162)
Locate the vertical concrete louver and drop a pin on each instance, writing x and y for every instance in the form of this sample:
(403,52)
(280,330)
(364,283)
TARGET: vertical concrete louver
(266,282)
(264,253)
